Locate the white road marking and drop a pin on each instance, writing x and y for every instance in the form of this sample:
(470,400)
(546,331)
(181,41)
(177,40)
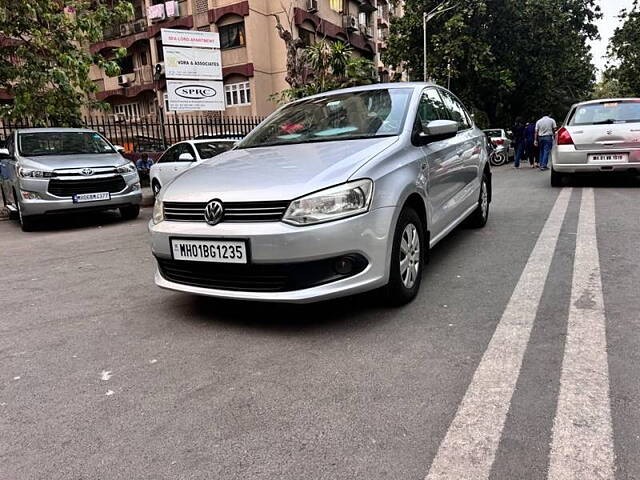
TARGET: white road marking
(469,447)
(109,393)
(582,445)
(105,375)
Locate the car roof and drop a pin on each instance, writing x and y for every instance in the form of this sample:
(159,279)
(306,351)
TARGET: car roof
(206,140)
(375,86)
(53,130)
(604,100)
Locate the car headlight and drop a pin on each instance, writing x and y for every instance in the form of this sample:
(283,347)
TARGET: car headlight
(25,172)
(341,201)
(126,168)
(158,212)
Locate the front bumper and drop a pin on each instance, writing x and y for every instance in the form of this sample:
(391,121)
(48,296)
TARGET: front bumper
(368,235)
(51,204)
(566,159)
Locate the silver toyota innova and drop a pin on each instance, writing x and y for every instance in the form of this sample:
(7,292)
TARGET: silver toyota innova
(47,171)
(331,195)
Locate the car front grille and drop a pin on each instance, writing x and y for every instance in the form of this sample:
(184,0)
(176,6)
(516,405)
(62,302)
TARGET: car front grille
(274,277)
(233,211)
(68,188)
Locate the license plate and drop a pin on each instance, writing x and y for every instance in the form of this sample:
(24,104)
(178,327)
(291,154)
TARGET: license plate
(609,157)
(215,251)
(91,197)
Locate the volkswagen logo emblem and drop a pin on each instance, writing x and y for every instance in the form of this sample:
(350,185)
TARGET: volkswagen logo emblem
(86,172)
(213,212)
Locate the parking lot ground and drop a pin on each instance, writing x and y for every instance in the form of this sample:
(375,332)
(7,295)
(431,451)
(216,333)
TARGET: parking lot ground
(105,376)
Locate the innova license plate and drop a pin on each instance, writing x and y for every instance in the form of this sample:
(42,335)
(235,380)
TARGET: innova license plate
(91,197)
(214,251)
(609,157)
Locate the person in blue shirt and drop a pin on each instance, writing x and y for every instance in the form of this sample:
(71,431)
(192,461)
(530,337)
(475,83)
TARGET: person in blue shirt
(144,163)
(518,140)
(530,148)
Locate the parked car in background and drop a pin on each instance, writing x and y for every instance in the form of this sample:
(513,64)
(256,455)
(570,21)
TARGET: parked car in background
(48,171)
(331,195)
(185,155)
(502,142)
(598,136)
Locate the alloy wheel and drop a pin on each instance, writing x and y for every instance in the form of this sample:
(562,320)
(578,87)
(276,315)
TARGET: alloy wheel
(409,256)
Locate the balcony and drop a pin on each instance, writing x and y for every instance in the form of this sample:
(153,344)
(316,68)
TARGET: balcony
(367,6)
(127,84)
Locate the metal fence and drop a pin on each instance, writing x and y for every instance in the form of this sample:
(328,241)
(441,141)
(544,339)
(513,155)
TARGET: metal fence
(155,134)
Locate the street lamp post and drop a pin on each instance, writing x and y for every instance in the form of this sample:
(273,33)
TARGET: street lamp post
(426,18)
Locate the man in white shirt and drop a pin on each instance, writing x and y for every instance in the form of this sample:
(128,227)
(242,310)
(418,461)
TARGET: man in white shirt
(545,129)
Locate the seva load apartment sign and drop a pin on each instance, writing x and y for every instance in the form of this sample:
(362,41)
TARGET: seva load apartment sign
(193,67)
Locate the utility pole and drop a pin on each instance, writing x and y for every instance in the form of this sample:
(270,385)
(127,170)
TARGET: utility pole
(426,18)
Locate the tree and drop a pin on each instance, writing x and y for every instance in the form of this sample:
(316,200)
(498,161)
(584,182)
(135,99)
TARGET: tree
(624,51)
(330,65)
(296,62)
(509,57)
(45,60)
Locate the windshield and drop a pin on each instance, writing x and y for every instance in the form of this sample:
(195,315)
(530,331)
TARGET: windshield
(493,133)
(62,143)
(607,113)
(342,116)
(211,149)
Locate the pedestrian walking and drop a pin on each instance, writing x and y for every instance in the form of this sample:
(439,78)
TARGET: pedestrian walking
(545,128)
(530,148)
(518,140)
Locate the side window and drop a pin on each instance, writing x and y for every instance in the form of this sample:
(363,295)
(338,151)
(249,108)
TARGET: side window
(427,111)
(170,155)
(456,111)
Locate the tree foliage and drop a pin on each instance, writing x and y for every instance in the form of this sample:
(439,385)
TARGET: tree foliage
(330,65)
(508,57)
(624,50)
(44,56)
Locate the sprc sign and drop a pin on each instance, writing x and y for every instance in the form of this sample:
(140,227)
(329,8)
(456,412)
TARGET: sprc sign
(195,95)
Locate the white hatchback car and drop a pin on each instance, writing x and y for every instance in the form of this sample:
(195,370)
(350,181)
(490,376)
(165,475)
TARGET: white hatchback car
(184,155)
(598,136)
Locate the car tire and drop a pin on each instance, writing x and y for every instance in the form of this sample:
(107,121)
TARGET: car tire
(404,284)
(480,215)
(499,159)
(27,223)
(557,178)
(130,212)
(155,187)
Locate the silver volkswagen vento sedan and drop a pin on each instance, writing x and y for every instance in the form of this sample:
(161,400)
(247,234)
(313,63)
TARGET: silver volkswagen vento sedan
(598,136)
(331,195)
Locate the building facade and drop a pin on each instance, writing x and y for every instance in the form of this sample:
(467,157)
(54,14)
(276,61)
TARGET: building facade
(253,54)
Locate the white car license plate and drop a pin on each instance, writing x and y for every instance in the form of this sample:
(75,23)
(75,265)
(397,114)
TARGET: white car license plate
(215,251)
(609,157)
(91,197)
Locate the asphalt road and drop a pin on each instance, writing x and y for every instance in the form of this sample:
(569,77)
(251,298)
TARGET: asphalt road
(518,360)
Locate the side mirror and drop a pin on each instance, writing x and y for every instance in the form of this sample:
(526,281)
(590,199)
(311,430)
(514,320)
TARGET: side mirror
(439,130)
(4,154)
(119,148)
(186,157)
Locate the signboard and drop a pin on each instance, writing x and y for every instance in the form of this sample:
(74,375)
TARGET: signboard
(190,38)
(195,95)
(200,63)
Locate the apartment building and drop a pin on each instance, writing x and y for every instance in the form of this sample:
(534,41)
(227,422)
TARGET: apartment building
(253,55)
